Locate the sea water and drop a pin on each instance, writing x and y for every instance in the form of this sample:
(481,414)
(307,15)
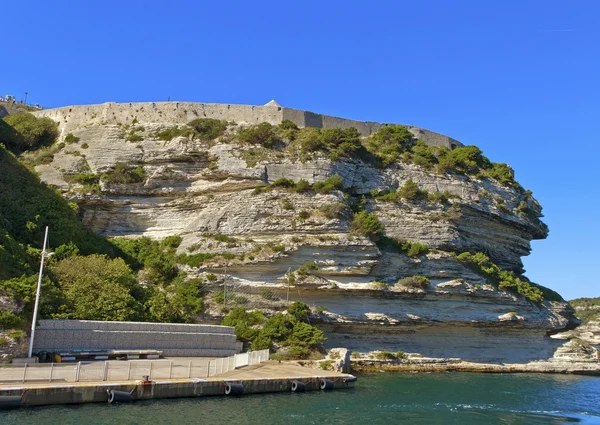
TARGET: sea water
(383,398)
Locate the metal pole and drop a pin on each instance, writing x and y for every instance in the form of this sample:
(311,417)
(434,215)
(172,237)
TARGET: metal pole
(78,372)
(170,370)
(37,294)
(190,370)
(105,376)
(25,102)
(225,288)
(287,299)
(51,369)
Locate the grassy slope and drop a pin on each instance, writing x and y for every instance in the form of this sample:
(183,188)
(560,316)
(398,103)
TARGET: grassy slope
(26,207)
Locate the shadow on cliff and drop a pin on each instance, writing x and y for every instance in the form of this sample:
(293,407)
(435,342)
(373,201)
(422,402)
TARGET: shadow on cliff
(26,206)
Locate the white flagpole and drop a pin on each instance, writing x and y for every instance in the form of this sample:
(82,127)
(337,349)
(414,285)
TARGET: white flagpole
(37,294)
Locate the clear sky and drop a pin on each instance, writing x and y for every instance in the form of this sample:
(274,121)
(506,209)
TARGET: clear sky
(518,78)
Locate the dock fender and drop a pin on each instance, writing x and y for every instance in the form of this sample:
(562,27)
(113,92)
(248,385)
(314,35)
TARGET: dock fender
(115,396)
(298,386)
(10,402)
(326,384)
(233,389)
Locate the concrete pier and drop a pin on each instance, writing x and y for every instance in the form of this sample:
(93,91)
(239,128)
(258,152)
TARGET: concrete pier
(268,377)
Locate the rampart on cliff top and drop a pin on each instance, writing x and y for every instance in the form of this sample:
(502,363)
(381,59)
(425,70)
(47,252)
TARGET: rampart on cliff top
(73,117)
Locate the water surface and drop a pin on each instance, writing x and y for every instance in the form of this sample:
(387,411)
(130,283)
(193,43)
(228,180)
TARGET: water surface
(384,398)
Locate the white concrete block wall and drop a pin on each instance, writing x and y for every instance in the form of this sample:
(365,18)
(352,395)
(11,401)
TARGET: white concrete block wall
(173,339)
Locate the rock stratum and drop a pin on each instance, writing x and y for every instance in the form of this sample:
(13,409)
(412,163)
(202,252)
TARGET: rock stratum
(219,196)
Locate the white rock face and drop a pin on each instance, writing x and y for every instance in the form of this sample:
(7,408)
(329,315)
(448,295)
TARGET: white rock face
(199,189)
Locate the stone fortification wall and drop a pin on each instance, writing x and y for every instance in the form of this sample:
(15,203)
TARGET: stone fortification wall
(175,340)
(169,113)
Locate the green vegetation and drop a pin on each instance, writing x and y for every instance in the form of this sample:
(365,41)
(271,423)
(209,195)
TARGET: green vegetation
(366,224)
(23,131)
(208,129)
(507,280)
(586,309)
(70,138)
(263,134)
(413,282)
(124,174)
(290,331)
(334,182)
(335,210)
(389,143)
(205,129)
(386,355)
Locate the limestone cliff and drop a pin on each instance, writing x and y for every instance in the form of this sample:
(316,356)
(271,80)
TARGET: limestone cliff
(219,196)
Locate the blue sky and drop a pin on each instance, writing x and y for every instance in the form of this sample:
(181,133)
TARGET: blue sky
(517,78)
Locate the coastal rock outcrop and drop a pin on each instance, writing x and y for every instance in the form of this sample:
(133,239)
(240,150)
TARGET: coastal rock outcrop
(232,203)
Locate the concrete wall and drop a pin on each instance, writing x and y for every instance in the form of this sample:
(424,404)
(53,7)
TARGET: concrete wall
(175,340)
(169,113)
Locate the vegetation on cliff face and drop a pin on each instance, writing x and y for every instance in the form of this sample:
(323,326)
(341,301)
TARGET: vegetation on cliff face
(90,277)
(23,131)
(507,280)
(586,309)
(292,331)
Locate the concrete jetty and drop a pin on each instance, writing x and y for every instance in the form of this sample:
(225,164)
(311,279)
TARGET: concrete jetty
(267,377)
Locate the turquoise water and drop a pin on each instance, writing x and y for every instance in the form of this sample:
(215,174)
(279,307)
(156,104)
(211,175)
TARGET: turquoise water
(422,398)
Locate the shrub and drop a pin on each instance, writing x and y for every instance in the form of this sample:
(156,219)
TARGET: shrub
(9,320)
(341,142)
(334,182)
(286,204)
(303,215)
(388,144)
(331,211)
(506,280)
(173,132)
(85,146)
(70,138)
(283,182)
(463,160)
(244,323)
(23,131)
(309,140)
(414,249)
(288,125)
(385,355)
(423,155)
(441,197)
(223,238)
(302,186)
(132,137)
(411,192)
(299,310)
(261,134)
(208,128)
(123,174)
(504,174)
(414,282)
(367,225)
(306,268)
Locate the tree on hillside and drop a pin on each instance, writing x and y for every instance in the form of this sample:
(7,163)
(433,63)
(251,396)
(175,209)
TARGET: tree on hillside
(98,288)
(24,131)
